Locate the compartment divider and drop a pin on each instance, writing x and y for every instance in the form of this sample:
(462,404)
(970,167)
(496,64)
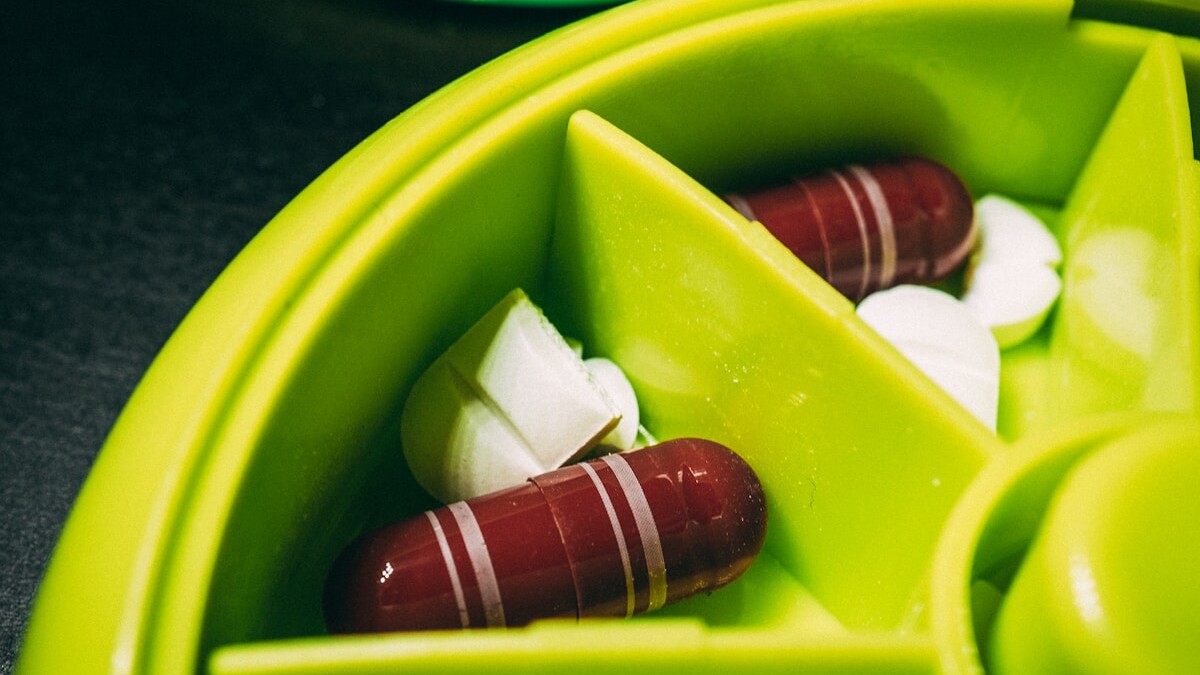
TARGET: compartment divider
(682,646)
(861,456)
(1126,335)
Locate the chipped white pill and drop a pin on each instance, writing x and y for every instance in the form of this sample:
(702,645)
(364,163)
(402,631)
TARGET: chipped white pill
(1011,281)
(1012,298)
(509,400)
(610,376)
(944,340)
(1009,231)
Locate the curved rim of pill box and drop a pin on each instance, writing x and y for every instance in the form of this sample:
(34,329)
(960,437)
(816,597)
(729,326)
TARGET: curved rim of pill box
(1000,516)
(189,448)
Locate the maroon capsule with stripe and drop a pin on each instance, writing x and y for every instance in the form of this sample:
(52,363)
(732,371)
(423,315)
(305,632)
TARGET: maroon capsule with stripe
(869,227)
(613,537)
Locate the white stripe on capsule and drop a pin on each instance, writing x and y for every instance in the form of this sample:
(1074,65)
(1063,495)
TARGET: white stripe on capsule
(861,221)
(481,561)
(656,566)
(451,568)
(887,227)
(630,595)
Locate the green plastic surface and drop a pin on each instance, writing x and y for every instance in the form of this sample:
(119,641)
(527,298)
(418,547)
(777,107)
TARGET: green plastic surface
(583,168)
(1118,341)
(1012,513)
(1074,607)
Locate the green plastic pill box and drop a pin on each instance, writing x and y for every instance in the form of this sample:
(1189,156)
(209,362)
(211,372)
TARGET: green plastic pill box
(904,537)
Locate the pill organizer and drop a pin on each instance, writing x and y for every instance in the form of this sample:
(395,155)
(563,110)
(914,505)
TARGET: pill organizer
(903,536)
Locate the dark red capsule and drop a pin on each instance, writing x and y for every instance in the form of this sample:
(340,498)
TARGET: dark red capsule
(612,537)
(867,228)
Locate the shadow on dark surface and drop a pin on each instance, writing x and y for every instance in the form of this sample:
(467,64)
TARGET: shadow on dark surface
(143,146)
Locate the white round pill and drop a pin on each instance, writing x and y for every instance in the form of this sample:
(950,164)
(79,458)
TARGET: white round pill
(937,333)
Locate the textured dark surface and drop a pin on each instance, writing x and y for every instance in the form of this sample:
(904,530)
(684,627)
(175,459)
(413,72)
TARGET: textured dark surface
(141,147)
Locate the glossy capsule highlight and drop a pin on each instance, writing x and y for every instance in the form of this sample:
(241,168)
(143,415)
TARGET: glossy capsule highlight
(869,227)
(613,537)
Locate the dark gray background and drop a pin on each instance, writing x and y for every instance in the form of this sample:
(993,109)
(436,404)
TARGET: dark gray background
(141,146)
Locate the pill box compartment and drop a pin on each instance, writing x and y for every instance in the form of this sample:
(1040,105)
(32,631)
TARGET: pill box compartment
(286,443)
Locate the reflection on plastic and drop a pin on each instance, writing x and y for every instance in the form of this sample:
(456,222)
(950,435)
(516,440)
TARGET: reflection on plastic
(1114,271)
